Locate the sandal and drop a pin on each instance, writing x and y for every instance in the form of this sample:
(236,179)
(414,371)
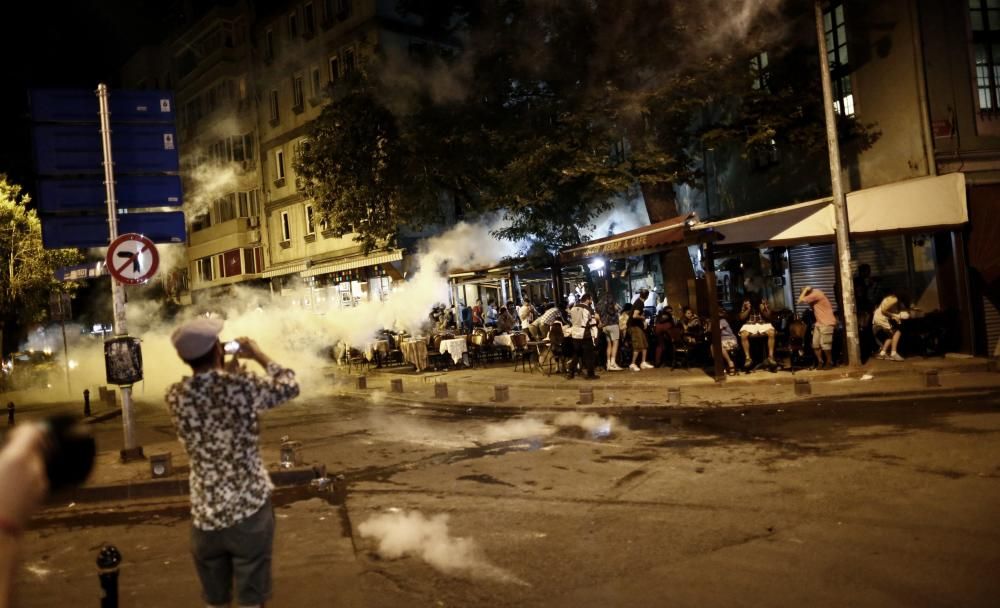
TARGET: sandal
(731,370)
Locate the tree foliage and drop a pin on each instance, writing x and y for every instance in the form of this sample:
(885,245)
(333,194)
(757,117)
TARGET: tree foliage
(27,270)
(542,111)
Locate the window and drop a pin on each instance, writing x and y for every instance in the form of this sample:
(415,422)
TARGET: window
(329,11)
(315,80)
(760,72)
(252,259)
(229,264)
(204,266)
(984,17)
(836,54)
(274,105)
(308,19)
(310,220)
(279,164)
(286,231)
(225,207)
(248,205)
(268,44)
(293,25)
(297,101)
(348,61)
(334,69)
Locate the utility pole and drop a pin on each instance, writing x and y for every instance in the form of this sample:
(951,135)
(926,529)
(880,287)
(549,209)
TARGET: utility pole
(131,451)
(839,199)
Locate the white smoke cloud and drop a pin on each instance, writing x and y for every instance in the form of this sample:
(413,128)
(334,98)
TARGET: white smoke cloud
(411,534)
(516,429)
(597,426)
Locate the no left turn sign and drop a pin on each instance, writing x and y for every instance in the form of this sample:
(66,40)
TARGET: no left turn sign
(132,259)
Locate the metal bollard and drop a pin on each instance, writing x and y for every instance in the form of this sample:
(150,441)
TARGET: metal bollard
(10,414)
(586,396)
(108,561)
(501,393)
(396,385)
(674,396)
(291,454)
(802,386)
(86,402)
(361,382)
(441,390)
(931,378)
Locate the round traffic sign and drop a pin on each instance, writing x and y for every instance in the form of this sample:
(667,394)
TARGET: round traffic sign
(132,259)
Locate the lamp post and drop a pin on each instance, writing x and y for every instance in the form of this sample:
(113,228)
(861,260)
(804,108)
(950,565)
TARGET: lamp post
(839,199)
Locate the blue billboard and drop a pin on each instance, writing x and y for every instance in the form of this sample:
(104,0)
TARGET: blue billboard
(60,231)
(131,192)
(79,105)
(76,149)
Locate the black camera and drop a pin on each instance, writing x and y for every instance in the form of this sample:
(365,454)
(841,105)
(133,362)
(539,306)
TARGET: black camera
(70,451)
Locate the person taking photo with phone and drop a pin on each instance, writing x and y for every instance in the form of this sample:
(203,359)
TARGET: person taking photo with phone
(215,412)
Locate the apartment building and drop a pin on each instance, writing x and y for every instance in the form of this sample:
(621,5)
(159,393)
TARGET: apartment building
(248,79)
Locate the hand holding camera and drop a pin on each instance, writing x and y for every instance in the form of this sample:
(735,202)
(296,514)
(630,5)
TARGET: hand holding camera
(246,348)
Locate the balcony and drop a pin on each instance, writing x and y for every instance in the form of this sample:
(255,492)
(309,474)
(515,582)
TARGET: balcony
(239,232)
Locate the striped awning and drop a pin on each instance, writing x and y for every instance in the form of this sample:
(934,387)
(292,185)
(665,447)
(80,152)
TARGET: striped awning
(634,242)
(353,262)
(283,270)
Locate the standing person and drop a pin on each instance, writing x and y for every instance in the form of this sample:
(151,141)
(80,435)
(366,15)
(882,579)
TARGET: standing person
(539,328)
(583,322)
(477,314)
(215,412)
(608,314)
(822,337)
(526,314)
(637,333)
(886,323)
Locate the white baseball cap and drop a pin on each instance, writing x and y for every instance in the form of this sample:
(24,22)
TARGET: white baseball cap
(195,338)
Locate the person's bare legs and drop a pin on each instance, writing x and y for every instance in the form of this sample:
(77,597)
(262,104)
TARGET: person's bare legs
(770,344)
(745,339)
(894,347)
(612,352)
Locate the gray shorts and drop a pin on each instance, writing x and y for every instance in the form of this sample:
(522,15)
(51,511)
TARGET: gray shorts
(241,552)
(613,332)
(823,337)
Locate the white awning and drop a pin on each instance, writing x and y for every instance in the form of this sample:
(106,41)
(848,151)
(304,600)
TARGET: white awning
(354,262)
(924,203)
(283,270)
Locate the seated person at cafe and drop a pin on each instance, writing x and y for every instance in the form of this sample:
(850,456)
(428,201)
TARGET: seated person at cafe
(477,314)
(491,314)
(756,317)
(729,342)
(662,323)
(526,313)
(886,324)
(505,320)
(539,328)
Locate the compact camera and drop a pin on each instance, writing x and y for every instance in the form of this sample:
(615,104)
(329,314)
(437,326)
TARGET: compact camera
(232,347)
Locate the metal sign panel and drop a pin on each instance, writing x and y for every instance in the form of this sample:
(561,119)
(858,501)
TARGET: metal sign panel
(92,231)
(80,105)
(131,192)
(76,149)
(82,272)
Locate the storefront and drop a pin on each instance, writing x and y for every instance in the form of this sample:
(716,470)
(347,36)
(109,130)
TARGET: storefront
(347,282)
(901,231)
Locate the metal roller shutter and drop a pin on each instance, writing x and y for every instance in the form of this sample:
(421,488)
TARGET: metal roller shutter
(991,319)
(814,265)
(888,261)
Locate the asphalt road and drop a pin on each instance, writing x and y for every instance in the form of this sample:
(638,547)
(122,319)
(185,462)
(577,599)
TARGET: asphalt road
(847,503)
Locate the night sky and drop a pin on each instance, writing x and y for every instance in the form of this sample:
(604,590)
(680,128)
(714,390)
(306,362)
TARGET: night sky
(65,45)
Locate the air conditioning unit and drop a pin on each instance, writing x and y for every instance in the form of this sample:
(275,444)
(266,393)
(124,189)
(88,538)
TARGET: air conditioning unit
(254,236)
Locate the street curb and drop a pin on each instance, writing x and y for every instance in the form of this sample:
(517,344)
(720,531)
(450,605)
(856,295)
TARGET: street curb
(158,488)
(489,408)
(102,417)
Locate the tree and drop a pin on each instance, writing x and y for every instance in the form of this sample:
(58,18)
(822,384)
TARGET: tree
(27,270)
(552,108)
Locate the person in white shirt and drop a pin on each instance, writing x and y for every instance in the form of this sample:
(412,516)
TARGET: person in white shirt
(584,324)
(886,323)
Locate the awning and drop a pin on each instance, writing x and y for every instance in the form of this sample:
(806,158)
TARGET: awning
(633,242)
(353,262)
(283,270)
(920,204)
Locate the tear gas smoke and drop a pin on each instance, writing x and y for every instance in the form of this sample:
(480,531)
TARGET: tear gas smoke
(296,336)
(597,426)
(516,429)
(410,533)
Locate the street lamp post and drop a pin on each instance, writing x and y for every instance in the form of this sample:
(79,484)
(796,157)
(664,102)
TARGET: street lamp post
(839,199)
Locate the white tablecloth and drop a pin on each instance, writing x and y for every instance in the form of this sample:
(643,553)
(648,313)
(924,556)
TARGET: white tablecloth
(415,352)
(455,347)
(503,340)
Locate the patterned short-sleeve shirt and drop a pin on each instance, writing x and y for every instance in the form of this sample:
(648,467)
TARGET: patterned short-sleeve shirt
(215,414)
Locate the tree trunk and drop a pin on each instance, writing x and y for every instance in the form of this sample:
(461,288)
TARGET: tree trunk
(661,204)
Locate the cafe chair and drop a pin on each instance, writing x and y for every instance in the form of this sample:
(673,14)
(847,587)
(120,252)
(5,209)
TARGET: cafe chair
(356,360)
(520,352)
(681,348)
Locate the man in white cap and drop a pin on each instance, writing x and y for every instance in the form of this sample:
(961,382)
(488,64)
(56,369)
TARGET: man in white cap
(215,412)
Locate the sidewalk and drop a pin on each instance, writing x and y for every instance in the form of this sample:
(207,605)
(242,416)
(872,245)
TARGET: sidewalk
(475,388)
